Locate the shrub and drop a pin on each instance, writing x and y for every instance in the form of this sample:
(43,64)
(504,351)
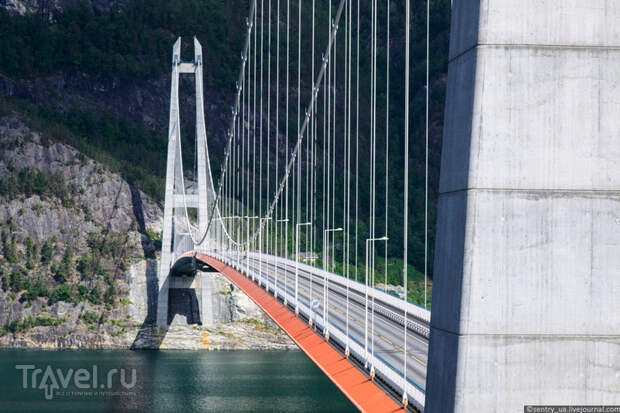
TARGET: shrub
(48,321)
(61,293)
(90,317)
(82,291)
(8,246)
(46,252)
(17,282)
(64,271)
(34,290)
(14,326)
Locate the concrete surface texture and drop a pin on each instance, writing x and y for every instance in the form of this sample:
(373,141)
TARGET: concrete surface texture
(527,269)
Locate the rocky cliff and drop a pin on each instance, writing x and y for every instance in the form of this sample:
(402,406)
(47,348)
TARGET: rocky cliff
(49,6)
(78,267)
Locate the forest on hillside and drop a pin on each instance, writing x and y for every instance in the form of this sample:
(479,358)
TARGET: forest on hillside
(133,41)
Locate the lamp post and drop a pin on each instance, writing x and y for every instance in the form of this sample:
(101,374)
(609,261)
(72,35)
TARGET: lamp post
(233,217)
(275,291)
(372,368)
(326,282)
(260,256)
(248,218)
(247,240)
(297,265)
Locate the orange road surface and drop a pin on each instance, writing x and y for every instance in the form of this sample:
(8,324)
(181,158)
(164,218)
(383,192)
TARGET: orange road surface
(364,393)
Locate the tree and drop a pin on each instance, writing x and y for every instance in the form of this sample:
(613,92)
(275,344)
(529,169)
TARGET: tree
(17,282)
(8,247)
(36,289)
(46,252)
(64,271)
(61,293)
(31,253)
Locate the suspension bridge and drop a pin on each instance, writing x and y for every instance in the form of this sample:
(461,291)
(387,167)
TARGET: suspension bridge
(282,218)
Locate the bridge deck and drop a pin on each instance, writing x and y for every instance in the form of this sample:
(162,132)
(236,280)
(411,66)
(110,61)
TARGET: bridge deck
(362,392)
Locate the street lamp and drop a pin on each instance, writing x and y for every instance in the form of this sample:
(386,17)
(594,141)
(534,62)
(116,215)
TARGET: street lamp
(372,369)
(326,282)
(275,292)
(247,240)
(297,265)
(234,217)
(260,256)
(248,218)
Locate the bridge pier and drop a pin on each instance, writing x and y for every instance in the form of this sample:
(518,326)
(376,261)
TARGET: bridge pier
(176,236)
(527,270)
(203,290)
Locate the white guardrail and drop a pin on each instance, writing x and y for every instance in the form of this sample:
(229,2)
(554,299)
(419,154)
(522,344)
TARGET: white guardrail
(413,310)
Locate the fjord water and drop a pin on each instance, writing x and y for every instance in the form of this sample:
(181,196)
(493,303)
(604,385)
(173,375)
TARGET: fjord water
(167,381)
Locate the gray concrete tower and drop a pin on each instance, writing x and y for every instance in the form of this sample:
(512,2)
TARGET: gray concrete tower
(176,239)
(526,300)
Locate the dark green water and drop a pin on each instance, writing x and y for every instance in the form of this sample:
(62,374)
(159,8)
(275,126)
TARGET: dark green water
(166,381)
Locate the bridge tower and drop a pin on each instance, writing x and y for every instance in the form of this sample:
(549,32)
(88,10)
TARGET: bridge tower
(527,269)
(177,231)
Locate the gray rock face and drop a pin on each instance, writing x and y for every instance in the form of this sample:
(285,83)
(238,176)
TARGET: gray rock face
(49,6)
(101,202)
(101,198)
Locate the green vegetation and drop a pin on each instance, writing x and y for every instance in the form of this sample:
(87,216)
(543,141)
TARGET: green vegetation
(17,326)
(29,181)
(35,290)
(155,237)
(82,290)
(133,152)
(31,253)
(119,332)
(64,270)
(48,321)
(8,247)
(131,41)
(28,284)
(90,317)
(415,279)
(18,282)
(137,154)
(93,296)
(46,252)
(61,293)
(111,246)
(261,326)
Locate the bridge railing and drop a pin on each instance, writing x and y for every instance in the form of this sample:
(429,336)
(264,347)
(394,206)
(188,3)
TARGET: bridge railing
(413,310)
(392,375)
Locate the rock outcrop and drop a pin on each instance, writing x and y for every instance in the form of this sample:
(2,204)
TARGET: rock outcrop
(79,259)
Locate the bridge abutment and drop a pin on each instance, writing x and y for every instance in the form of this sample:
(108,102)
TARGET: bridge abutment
(527,269)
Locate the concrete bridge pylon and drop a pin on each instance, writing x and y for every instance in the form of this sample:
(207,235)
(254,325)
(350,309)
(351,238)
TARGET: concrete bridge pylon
(527,259)
(179,235)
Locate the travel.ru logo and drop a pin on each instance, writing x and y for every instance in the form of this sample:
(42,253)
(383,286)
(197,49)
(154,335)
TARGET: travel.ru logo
(50,380)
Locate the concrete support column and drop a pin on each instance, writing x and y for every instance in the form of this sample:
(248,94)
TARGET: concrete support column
(169,200)
(207,299)
(527,269)
(201,138)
